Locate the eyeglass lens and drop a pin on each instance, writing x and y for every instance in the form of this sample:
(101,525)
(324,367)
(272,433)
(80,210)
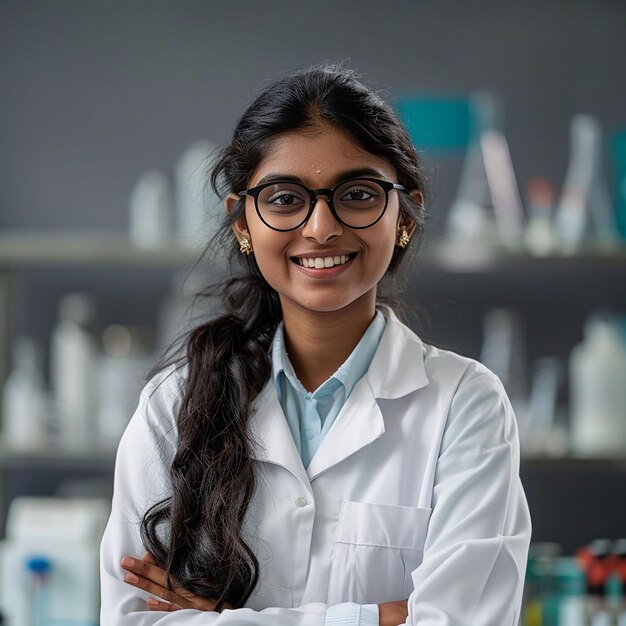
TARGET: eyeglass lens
(358,203)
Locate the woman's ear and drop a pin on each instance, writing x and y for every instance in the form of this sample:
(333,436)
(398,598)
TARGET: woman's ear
(418,196)
(404,221)
(240,227)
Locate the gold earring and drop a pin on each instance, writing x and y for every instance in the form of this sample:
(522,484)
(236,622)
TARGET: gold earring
(245,247)
(404,239)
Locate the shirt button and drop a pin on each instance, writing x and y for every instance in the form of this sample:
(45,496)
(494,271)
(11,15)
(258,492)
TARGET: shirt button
(310,434)
(300,501)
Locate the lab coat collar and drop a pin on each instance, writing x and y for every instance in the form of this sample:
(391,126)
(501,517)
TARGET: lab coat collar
(360,421)
(397,368)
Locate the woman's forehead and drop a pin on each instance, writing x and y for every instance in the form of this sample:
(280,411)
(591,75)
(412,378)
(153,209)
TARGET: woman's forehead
(317,155)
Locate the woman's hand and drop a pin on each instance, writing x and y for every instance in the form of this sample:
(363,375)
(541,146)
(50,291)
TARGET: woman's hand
(392,613)
(147,575)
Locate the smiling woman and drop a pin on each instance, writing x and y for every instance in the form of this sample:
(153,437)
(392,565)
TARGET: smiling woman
(311,461)
(297,259)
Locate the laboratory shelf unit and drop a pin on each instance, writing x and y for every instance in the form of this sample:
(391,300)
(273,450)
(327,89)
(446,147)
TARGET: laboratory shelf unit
(40,472)
(451,286)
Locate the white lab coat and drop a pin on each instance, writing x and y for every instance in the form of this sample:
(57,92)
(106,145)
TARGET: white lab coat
(413,493)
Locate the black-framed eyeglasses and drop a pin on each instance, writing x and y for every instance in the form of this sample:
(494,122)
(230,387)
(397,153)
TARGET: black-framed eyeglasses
(355,203)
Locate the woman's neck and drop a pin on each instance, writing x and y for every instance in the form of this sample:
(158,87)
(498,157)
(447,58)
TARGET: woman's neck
(318,343)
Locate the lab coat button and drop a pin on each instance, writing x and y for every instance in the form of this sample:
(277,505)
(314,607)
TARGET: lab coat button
(300,501)
(280,584)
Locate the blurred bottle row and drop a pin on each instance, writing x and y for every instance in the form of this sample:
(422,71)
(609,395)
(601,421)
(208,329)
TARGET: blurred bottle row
(488,208)
(95,378)
(586,590)
(575,406)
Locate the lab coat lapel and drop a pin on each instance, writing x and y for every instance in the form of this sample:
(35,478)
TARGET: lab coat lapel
(276,444)
(359,423)
(396,370)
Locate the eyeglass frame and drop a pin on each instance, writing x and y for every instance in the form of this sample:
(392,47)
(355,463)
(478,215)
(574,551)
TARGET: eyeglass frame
(316,193)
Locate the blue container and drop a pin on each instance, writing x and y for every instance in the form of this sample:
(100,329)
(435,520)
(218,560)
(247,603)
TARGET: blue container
(619,154)
(437,124)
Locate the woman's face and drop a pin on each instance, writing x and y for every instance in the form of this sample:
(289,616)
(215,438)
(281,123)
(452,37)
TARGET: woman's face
(319,158)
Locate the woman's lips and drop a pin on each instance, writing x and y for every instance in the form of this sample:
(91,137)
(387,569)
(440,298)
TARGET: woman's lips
(324,266)
(319,262)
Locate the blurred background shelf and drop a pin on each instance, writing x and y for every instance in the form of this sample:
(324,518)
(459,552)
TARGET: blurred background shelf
(20,248)
(56,457)
(461,258)
(571,464)
(104,458)
(23,247)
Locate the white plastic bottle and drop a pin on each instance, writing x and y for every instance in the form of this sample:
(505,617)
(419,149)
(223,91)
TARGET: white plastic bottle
(598,390)
(197,206)
(121,376)
(73,371)
(24,398)
(150,210)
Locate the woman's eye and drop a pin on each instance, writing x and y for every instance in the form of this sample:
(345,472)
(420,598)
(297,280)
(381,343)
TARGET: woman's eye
(284,199)
(357,194)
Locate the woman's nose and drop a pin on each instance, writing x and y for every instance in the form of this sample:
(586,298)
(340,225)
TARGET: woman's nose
(322,225)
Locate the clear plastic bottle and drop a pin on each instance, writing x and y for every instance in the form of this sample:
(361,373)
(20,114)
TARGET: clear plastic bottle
(487,209)
(585,213)
(503,352)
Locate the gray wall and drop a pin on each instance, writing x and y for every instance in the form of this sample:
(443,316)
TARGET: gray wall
(93,93)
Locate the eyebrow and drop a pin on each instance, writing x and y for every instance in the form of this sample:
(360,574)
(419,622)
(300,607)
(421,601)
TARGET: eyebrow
(346,175)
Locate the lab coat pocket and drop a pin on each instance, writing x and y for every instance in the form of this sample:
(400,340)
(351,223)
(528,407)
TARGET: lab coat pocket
(377,548)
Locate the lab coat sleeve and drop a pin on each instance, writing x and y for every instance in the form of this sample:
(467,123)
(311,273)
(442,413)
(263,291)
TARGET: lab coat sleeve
(474,561)
(352,614)
(141,479)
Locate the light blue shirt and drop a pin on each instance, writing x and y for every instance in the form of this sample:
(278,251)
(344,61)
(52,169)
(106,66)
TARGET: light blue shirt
(310,416)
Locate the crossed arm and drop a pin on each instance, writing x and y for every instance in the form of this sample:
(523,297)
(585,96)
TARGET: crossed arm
(146,575)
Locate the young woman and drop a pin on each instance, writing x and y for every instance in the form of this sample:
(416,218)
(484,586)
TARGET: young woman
(311,461)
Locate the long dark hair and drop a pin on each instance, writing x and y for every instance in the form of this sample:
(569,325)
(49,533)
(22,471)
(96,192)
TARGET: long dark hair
(204,547)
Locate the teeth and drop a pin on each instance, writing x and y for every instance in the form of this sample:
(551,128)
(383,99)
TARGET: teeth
(322,262)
